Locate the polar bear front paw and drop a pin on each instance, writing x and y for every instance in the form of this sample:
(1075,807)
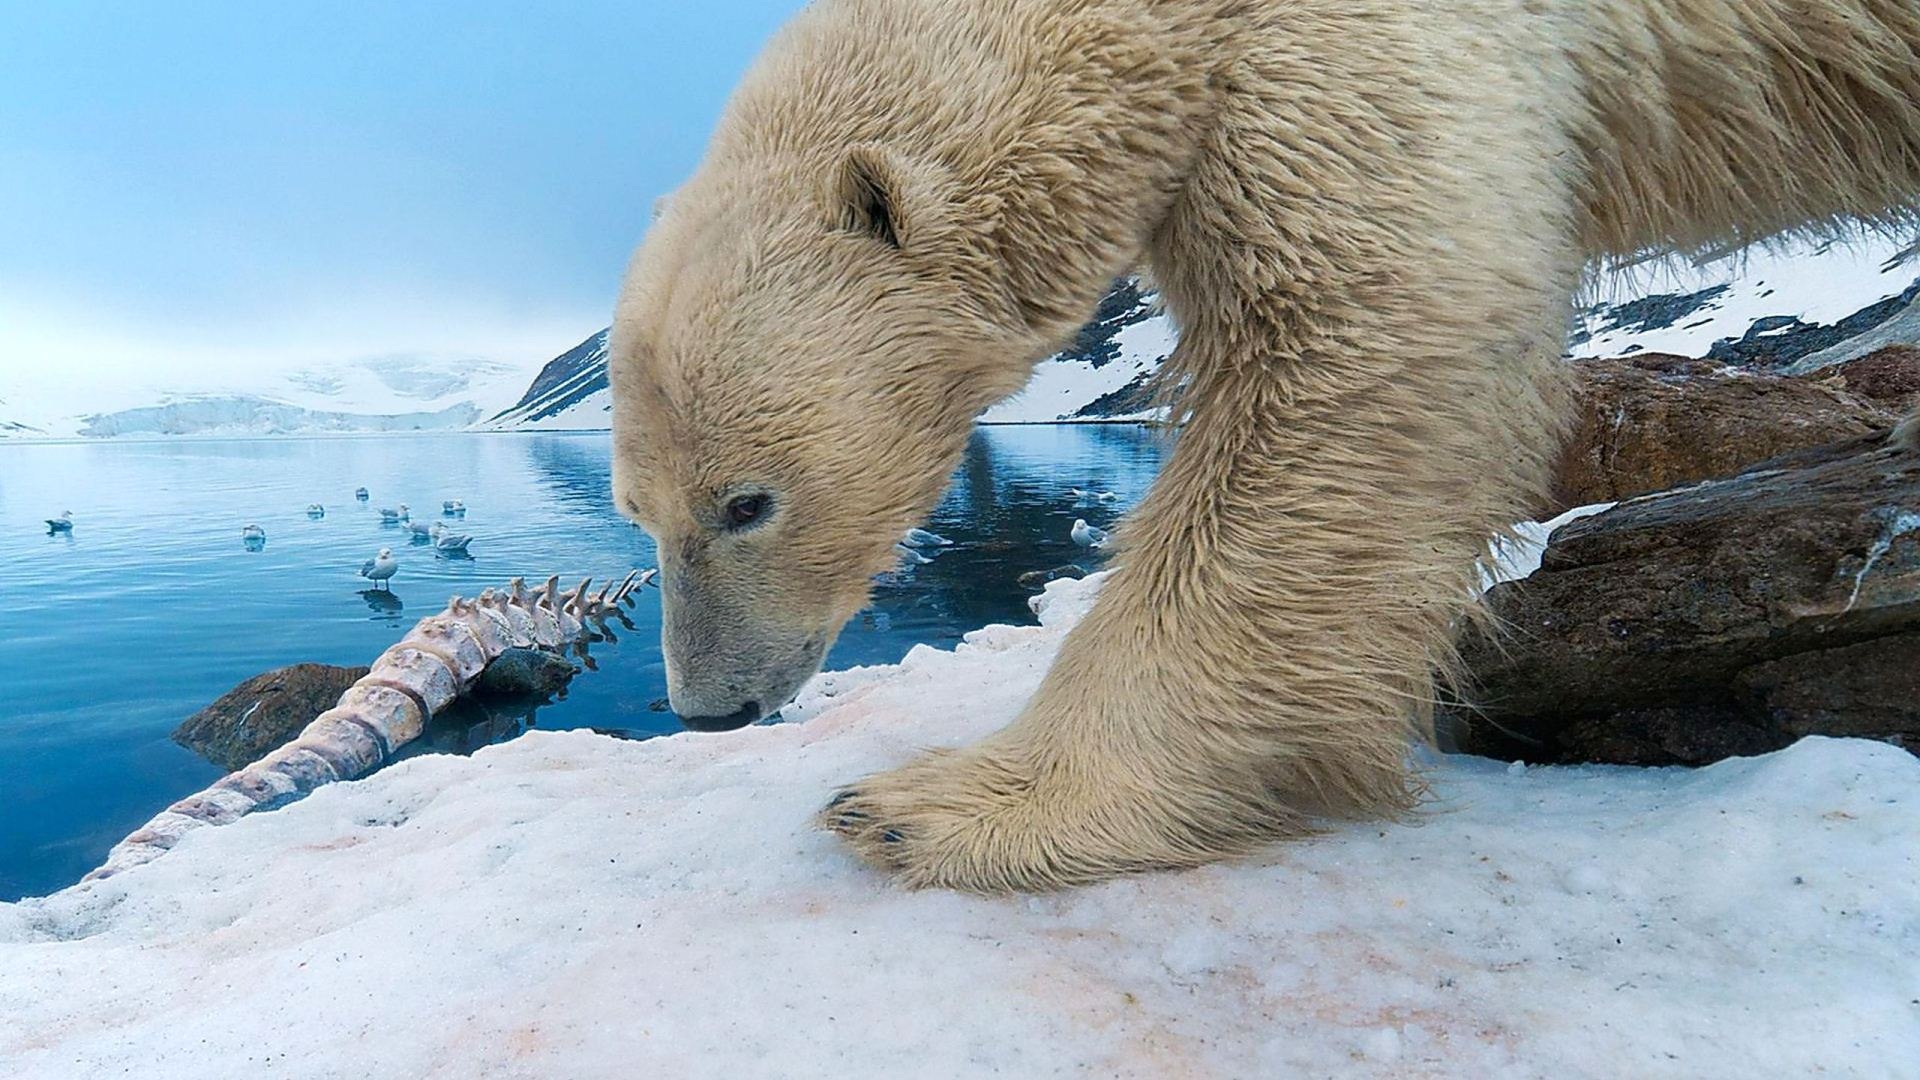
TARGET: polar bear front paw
(972,821)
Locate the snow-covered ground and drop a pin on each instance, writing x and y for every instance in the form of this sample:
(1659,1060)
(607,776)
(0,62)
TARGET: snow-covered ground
(569,905)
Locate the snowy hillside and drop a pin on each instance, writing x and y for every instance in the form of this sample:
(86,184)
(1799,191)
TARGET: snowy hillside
(1793,306)
(569,394)
(1101,376)
(394,393)
(570,905)
(1797,305)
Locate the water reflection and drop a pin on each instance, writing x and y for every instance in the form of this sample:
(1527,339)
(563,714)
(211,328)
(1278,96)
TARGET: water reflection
(174,619)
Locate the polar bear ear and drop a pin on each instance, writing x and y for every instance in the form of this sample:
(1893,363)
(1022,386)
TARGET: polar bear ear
(869,194)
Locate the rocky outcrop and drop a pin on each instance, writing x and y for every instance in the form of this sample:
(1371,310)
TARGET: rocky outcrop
(1729,617)
(1652,422)
(263,712)
(1889,376)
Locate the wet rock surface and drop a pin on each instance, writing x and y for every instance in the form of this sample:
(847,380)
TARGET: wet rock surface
(526,672)
(1729,617)
(263,712)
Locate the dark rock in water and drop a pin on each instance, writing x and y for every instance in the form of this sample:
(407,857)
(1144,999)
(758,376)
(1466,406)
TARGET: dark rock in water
(520,672)
(1653,422)
(1037,579)
(471,722)
(260,714)
(1731,617)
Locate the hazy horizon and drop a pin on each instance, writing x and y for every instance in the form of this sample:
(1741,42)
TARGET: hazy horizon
(213,194)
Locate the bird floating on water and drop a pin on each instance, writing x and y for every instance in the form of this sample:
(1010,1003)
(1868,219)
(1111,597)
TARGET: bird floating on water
(921,538)
(381,567)
(360,493)
(1096,496)
(421,533)
(61,524)
(1088,536)
(315,510)
(910,556)
(454,508)
(254,537)
(449,541)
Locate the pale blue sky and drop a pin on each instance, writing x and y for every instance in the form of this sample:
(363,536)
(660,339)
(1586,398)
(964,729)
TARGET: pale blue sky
(274,183)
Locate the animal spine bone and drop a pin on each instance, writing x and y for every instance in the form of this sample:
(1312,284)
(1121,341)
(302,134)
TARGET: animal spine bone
(435,663)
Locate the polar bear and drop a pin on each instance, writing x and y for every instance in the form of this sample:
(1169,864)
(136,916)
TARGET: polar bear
(1368,217)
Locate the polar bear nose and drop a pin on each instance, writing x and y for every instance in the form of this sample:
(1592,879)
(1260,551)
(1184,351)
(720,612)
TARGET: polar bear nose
(739,718)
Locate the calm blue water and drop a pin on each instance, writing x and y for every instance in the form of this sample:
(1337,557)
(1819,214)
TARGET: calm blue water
(152,608)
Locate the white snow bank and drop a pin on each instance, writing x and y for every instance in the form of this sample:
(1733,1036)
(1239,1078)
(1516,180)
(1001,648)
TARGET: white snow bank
(1511,558)
(568,905)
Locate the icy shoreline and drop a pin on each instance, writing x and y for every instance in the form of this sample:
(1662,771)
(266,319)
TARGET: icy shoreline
(573,905)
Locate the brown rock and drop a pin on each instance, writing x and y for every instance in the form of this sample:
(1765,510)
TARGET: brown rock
(1870,689)
(1729,617)
(263,712)
(1890,376)
(1653,422)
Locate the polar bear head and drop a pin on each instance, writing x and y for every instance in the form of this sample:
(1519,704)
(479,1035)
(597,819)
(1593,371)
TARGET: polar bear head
(799,351)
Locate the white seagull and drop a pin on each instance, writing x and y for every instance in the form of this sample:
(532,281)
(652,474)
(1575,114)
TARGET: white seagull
(910,556)
(381,567)
(254,534)
(316,511)
(454,508)
(421,533)
(1096,496)
(390,516)
(360,493)
(1087,536)
(63,523)
(448,541)
(921,538)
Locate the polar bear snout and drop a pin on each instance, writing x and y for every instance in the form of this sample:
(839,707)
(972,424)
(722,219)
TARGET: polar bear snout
(726,666)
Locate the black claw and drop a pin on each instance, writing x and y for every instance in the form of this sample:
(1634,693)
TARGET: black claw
(891,836)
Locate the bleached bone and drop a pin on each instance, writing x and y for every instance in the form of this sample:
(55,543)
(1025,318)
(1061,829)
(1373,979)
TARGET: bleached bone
(438,660)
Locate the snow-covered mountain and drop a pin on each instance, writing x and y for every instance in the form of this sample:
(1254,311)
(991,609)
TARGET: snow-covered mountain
(1104,374)
(1793,306)
(569,394)
(1101,376)
(390,393)
(1796,305)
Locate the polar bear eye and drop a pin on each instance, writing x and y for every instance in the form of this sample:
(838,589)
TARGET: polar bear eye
(744,510)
